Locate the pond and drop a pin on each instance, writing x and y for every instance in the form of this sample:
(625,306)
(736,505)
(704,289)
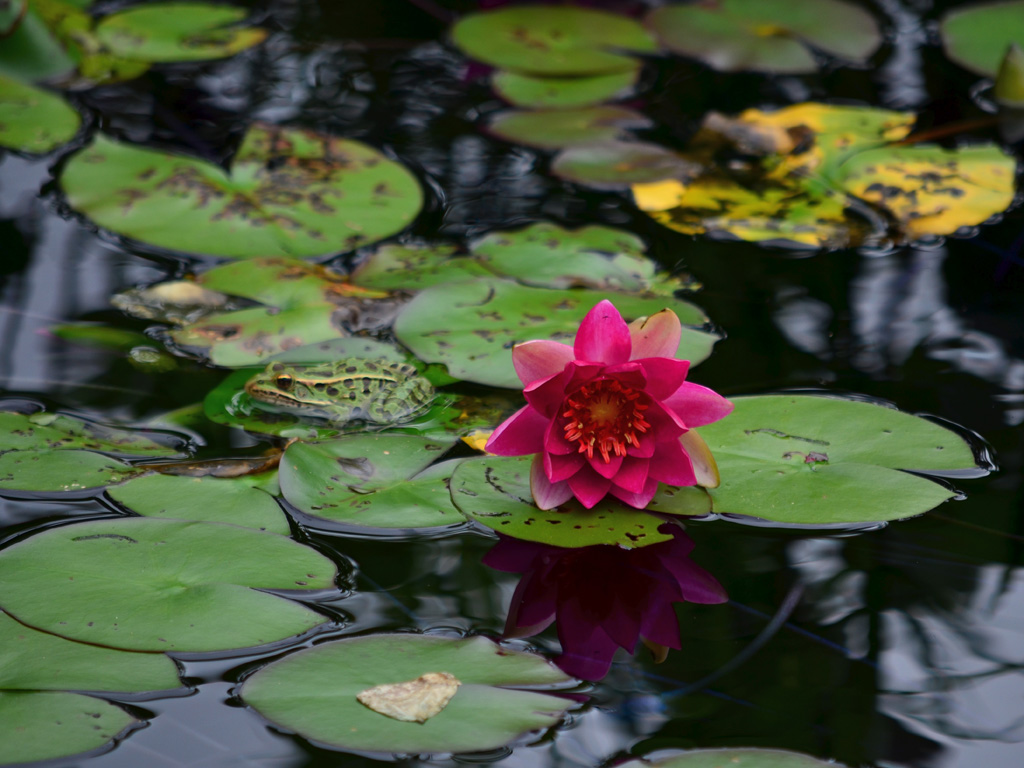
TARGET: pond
(264,268)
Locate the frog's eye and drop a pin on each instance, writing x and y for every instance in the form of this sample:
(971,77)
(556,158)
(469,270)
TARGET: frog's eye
(284,381)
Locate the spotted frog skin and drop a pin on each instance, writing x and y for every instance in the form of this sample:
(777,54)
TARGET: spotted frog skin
(377,391)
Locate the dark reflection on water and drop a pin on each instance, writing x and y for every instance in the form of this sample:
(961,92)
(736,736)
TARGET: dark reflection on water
(906,647)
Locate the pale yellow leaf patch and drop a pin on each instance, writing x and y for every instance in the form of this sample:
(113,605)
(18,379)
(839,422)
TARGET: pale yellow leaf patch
(477,439)
(414,701)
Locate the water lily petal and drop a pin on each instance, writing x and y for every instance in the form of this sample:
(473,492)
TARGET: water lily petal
(704,465)
(664,375)
(697,405)
(657,335)
(547,395)
(587,650)
(645,449)
(664,422)
(546,494)
(632,476)
(696,584)
(554,438)
(580,372)
(561,467)
(661,625)
(671,465)
(609,469)
(540,358)
(588,486)
(520,434)
(627,374)
(603,336)
(637,500)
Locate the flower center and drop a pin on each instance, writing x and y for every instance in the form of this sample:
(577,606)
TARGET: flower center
(604,416)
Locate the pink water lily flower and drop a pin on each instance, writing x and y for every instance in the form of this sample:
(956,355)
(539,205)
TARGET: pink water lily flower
(611,414)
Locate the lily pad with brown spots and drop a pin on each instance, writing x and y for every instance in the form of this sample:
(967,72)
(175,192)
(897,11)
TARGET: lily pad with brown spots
(33,120)
(534,92)
(618,164)
(557,128)
(289,192)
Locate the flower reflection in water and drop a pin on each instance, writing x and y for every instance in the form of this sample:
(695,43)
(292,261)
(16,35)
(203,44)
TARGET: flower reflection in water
(602,598)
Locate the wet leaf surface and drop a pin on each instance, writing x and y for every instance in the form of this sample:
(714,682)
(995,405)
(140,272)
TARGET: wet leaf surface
(471,326)
(58,471)
(208,499)
(495,491)
(562,92)
(47,725)
(11,13)
(394,267)
(289,192)
(734,758)
(371,481)
(194,586)
(54,431)
(618,164)
(31,53)
(766,35)
(557,128)
(39,661)
(977,35)
(545,40)
(821,460)
(313,692)
(161,32)
(33,120)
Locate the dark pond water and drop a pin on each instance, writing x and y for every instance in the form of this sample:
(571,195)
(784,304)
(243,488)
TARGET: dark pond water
(899,646)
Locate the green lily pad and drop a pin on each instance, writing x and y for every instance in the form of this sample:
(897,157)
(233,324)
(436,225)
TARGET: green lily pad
(471,326)
(977,36)
(557,128)
(313,692)
(210,499)
(52,724)
(396,267)
(618,164)
(549,256)
(562,92)
(38,661)
(178,585)
(281,282)
(495,491)
(821,460)
(371,481)
(61,471)
(160,32)
(32,120)
(11,13)
(30,52)
(744,757)
(766,35)
(54,431)
(546,40)
(289,192)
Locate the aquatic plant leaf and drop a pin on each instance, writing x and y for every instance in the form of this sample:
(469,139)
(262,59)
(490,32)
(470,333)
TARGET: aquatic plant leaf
(562,92)
(160,32)
(549,256)
(547,40)
(54,431)
(821,460)
(11,13)
(371,481)
(162,585)
(977,36)
(289,192)
(209,499)
(495,491)
(31,53)
(1009,86)
(557,128)
(282,282)
(39,661)
(744,757)
(250,336)
(32,120)
(60,470)
(931,190)
(313,693)
(471,326)
(618,164)
(45,725)
(766,35)
(395,267)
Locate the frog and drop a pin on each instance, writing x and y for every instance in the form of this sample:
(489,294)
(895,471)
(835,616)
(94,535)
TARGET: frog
(352,389)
